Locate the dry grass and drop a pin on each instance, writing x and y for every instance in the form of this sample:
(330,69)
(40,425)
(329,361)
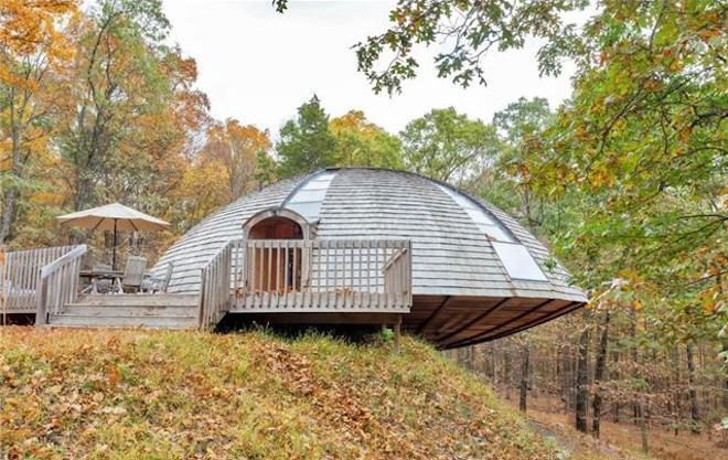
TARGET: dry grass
(148,394)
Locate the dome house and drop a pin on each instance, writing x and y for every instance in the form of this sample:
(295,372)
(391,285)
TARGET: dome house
(371,246)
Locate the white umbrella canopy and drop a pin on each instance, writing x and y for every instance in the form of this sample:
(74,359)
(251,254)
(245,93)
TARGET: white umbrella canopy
(114,216)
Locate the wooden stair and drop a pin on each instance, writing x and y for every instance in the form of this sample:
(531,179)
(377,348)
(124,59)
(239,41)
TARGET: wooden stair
(159,311)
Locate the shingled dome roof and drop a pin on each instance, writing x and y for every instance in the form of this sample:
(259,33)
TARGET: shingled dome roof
(467,255)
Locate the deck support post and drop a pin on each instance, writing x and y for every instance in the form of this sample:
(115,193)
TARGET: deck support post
(397,333)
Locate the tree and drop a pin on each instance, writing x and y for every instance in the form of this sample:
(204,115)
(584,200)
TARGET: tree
(523,119)
(362,143)
(502,182)
(118,84)
(306,143)
(33,44)
(448,146)
(469,29)
(265,170)
(236,149)
(644,137)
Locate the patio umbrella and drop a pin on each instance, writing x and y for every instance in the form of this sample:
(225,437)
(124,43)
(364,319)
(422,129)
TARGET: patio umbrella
(114,217)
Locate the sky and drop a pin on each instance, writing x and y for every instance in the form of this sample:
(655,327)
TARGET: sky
(258,66)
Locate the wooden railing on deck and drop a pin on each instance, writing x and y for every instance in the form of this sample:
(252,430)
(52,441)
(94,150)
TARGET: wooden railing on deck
(58,284)
(215,293)
(307,275)
(398,276)
(322,275)
(21,275)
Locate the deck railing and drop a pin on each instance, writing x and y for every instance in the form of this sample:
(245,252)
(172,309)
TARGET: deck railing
(58,284)
(398,276)
(215,293)
(21,276)
(322,275)
(306,275)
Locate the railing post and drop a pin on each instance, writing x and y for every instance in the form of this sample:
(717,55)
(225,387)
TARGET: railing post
(201,311)
(41,296)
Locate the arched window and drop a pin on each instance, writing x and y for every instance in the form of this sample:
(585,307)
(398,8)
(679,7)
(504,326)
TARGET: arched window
(277,224)
(276,228)
(276,266)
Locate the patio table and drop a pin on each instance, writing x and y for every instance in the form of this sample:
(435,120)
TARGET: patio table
(93,276)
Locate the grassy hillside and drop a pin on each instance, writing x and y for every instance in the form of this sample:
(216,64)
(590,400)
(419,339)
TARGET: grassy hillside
(148,394)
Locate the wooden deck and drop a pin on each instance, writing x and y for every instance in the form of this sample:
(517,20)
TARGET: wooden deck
(253,276)
(278,282)
(308,276)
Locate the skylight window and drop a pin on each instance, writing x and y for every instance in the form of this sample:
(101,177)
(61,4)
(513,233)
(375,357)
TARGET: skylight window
(308,200)
(482,219)
(517,261)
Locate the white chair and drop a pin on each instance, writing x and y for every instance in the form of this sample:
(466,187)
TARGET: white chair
(153,285)
(133,275)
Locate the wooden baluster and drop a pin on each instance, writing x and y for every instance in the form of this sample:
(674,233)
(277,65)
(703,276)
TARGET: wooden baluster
(385,258)
(200,310)
(337,271)
(343,274)
(295,284)
(259,273)
(320,276)
(253,272)
(377,273)
(356,273)
(402,275)
(22,267)
(270,266)
(60,288)
(306,273)
(326,247)
(352,255)
(369,273)
(40,313)
(286,276)
(316,273)
(278,274)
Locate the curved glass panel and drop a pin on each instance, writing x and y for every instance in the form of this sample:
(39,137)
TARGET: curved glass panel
(519,264)
(308,200)
(516,259)
(485,222)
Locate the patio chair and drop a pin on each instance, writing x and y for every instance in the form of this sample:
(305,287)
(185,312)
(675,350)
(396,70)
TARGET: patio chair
(133,275)
(153,285)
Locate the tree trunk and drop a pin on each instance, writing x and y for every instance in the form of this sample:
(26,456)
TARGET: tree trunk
(582,395)
(10,196)
(522,404)
(9,214)
(507,373)
(694,407)
(643,427)
(600,373)
(617,404)
(84,190)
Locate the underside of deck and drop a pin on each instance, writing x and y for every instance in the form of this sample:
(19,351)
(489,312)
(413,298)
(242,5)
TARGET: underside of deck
(452,322)
(448,322)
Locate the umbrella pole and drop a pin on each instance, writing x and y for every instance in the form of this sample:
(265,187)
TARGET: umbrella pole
(113,251)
